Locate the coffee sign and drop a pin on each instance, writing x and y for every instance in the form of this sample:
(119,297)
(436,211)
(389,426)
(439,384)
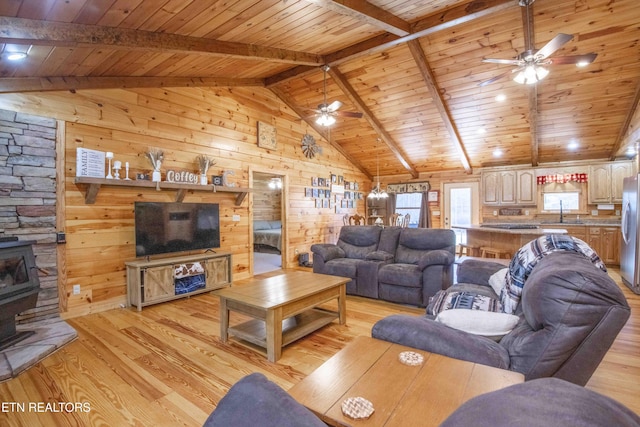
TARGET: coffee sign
(184,177)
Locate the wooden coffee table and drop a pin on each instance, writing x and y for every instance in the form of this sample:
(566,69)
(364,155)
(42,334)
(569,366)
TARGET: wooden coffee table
(402,395)
(283,307)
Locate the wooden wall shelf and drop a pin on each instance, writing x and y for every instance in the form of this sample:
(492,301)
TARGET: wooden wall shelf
(94,184)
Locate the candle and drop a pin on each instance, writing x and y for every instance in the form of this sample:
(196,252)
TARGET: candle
(117,164)
(126,165)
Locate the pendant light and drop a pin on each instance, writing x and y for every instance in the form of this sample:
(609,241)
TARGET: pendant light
(376,192)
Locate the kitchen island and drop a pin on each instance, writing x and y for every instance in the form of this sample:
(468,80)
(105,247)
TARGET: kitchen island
(505,237)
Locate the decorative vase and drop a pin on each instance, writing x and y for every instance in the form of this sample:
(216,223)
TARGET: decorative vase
(156,176)
(203,179)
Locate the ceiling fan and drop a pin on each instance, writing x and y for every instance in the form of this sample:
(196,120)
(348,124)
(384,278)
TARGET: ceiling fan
(531,64)
(327,113)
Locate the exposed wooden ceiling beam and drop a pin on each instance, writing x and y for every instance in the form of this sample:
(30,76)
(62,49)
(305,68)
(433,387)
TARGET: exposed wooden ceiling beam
(47,33)
(31,84)
(323,131)
(343,84)
(473,10)
(368,13)
(625,126)
(421,61)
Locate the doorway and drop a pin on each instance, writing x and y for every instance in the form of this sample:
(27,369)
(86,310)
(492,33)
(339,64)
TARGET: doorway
(267,222)
(461,203)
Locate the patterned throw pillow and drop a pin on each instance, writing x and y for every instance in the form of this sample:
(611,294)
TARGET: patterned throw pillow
(443,300)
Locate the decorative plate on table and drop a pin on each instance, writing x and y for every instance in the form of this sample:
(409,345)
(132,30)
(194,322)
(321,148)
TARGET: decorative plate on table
(357,408)
(411,358)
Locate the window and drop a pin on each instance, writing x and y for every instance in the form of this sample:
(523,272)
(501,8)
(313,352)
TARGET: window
(409,203)
(569,201)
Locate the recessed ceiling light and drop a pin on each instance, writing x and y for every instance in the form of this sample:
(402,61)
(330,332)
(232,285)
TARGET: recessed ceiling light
(16,56)
(573,145)
(501,97)
(481,131)
(497,152)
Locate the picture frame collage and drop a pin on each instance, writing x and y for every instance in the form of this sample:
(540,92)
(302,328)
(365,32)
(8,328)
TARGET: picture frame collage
(334,192)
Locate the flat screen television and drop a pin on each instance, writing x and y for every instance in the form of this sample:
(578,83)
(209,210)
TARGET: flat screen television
(163,228)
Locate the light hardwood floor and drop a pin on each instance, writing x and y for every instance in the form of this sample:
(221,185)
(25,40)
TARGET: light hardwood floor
(165,366)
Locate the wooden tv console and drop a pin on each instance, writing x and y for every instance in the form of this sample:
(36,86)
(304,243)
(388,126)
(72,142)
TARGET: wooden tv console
(153,281)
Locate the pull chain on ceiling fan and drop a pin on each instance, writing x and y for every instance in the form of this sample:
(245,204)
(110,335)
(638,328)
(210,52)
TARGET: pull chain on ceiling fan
(532,64)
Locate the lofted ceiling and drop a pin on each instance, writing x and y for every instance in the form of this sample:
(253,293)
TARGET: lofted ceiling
(412,67)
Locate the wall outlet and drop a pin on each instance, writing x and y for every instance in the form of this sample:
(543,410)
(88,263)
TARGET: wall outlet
(618,212)
(76,289)
(297,251)
(495,213)
(526,212)
(235,218)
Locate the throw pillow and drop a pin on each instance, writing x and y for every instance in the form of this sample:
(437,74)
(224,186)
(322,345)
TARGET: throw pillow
(478,322)
(444,300)
(498,280)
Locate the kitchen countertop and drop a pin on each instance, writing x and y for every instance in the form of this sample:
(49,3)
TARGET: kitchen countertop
(562,224)
(518,231)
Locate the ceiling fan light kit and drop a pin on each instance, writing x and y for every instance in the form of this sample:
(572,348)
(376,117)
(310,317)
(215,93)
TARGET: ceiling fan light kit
(531,74)
(325,120)
(532,64)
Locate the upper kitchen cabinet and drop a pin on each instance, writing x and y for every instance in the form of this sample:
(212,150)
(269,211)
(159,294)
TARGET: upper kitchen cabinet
(526,182)
(509,187)
(605,181)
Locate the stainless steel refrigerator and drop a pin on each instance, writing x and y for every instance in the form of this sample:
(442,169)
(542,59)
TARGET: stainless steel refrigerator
(629,251)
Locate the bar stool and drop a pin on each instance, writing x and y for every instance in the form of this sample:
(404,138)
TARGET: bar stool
(488,252)
(465,249)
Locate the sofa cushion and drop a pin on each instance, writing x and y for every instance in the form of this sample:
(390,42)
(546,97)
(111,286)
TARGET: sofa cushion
(346,267)
(255,401)
(542,402)
(477,271)
(407,275)
(357,241)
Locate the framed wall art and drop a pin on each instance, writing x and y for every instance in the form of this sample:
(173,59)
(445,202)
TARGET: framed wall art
(267,136)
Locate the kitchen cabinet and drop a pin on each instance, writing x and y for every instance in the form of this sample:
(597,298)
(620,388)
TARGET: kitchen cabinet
(605,181)
(606,242)
(509,187)
(526,193)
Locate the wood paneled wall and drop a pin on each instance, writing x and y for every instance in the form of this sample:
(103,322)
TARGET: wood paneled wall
(267,202)
(220,123)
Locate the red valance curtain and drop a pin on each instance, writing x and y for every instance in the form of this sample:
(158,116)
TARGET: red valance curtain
(561,178)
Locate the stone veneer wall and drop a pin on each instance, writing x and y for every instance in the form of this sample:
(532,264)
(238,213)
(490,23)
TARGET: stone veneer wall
(28,198)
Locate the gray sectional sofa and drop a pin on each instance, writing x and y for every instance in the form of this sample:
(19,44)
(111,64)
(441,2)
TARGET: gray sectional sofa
(570,313)
(402,265)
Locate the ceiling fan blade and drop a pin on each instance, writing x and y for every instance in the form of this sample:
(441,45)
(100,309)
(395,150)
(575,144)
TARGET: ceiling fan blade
(334,106)
(554,44)
(501,61)
(495,79)
(354,114)
(575,59)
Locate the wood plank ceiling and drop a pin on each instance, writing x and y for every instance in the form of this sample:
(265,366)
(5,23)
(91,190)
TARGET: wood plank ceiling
(412,67)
